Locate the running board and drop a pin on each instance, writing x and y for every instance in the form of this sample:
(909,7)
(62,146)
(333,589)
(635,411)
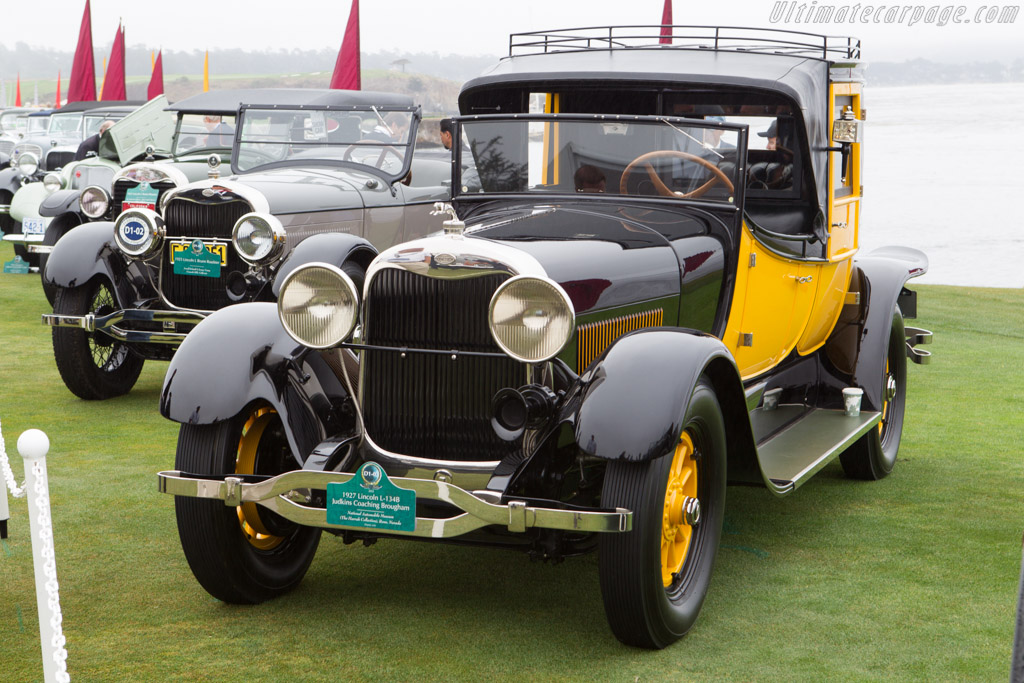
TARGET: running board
(791,456)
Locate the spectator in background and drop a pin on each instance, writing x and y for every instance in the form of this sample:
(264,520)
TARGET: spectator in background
(91,145)
(221,134)
(446,133)
(589,179)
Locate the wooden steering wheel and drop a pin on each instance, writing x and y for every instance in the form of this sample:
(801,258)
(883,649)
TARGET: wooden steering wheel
(717,175)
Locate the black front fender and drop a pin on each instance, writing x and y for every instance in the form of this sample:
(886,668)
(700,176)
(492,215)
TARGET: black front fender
(634,397)
(61,201)
(84,253)
(239,356)
(332,247)
(10,180)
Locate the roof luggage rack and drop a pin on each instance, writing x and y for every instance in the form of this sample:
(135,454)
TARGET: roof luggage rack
(726,38)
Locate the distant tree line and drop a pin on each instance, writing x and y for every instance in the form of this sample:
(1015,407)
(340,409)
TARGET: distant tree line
(43,63)
(36,62)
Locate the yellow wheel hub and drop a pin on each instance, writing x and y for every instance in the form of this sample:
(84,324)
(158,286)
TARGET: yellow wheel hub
(248,446)
(680,496)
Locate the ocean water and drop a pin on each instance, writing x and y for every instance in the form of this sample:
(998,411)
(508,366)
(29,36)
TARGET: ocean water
(944,173)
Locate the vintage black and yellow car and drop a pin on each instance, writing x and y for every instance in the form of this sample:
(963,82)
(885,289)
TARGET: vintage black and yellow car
(650,289)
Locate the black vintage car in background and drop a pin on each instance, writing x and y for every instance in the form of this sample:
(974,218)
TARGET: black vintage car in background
(314,174)
(654,291)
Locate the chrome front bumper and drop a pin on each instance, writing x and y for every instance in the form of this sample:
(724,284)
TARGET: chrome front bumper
(285,495)
(108,324)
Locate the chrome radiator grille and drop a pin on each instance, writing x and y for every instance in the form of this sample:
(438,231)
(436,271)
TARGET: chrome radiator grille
(428,405)
(187,219)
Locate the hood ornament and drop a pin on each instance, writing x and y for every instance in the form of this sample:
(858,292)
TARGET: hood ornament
(453,227)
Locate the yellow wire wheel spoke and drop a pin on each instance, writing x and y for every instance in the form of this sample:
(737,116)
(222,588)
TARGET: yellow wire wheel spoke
(245,463)
(680,494)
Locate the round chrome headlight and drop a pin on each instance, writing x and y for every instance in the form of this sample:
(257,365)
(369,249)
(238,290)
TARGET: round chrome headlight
(94,201)
(258,238)
(531,319)
(52,182)
(28,164)
(318,305)
(138,232)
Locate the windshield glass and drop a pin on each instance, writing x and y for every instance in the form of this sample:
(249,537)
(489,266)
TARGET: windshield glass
(64,124)
(13,123)
(198,133)
(378,138)
(665,157)
(38,124)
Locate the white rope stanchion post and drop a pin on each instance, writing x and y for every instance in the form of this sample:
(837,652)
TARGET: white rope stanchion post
(33,445)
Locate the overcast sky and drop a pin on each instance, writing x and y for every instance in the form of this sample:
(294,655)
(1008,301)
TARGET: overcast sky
(476,27)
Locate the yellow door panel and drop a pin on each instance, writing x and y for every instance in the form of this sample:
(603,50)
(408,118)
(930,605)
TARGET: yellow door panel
(842,241)
(833,282)
(774,297)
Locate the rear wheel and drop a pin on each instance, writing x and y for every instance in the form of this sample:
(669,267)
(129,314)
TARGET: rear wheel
(655,577)
(246,554)
(874,454)
(93,365)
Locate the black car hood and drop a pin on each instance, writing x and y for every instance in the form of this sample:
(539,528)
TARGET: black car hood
(603,256)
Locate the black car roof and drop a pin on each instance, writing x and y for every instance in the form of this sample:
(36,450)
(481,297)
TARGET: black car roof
(229,101)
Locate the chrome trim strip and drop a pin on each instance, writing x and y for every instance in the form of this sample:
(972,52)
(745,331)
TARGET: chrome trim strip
(256,199)
(517,516)
(107,324)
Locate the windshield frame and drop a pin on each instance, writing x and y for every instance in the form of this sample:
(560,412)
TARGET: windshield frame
(201,151)
(414,111)
(741,131)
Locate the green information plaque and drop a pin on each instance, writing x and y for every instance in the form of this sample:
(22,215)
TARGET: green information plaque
(196,260)
(371,501)
(16,265)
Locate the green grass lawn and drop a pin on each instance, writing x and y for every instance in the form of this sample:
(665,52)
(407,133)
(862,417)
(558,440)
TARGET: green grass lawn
(910,578)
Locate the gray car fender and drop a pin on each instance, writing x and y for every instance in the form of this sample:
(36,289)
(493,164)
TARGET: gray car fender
(61,201)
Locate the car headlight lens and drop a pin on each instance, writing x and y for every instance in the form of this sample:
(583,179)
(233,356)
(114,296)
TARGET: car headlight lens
(94,201)
(52,182)
(139,232)
(258,238)
(531,319)
(318,305)
(28,164)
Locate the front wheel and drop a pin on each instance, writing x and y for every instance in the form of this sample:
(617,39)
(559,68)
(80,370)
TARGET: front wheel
(93,365)
(655,577)
(874,454)
(246,554)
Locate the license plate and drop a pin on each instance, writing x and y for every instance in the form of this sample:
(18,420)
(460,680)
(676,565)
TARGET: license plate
(33,226)
(199,258)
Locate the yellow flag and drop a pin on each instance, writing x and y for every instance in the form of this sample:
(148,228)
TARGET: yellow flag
(152,60)
(206,72)
(103,80)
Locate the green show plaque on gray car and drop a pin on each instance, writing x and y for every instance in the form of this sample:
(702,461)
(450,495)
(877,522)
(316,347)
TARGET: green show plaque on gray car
(371,501)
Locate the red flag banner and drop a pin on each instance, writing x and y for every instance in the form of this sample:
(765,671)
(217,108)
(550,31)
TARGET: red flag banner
(113,82)
(156,81)
(666,23)
(57,105)
(17,95)
(346,69)
(82,87)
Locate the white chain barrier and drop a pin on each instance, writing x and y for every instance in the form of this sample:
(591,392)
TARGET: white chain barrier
(33,446)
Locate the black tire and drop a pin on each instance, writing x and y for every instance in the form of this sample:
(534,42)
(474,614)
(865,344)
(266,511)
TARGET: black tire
(642,610)
(93,365)
(874,454)
(6,221)
(54,231)
(226,548)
